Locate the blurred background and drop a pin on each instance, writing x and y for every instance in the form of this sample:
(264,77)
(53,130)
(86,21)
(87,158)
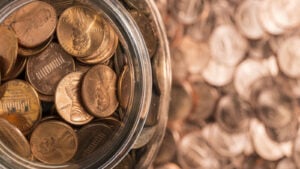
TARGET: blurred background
(236,84)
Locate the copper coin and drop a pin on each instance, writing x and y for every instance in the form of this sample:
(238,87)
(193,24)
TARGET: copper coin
(81,67)
(194,152)
(45,70)
(23,51)
(296,149)
(20,105)
(168,166)
(33,23)
(232,114)
(147,29)
(218,74)
(145,137)
(46,98)
(92,138)
(60,5)
(167,151)
(8,50)
(17,69)
(124,87)
(226,144)
(53,142)
(13,139)
(247,19)
(126,163)
(107,47)
(227,45)
(67,100)
(289,57)
(79,31)
(264,146)
(99,91)
(120,59)
(286,163)
(153,115)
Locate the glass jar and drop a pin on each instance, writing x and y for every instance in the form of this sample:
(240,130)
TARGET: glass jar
(149,94)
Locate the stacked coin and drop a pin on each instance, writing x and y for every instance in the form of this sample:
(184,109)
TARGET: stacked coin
(66,81)
(235,95)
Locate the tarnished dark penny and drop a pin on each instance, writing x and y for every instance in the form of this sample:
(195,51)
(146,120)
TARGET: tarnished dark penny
(153,115)
(17,69)
(98,91)
(124,87)
(23,51)
(12,138)
(126,163)
(147,29)
(120,59)
(81,67)
(33,23)
(67,100)
(53,142)
(20,105)
(232,114)
(8,50)
(79,31)
(91,138)
(145,137)
(45,70)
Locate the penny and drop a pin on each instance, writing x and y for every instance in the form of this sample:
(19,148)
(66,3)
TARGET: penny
(12,138)
(45,70)
(247,19)
(8,50)
(137,5)
(286,163)
(232,114)
(147,29)
(79,31)
(205,100)
(266,20)
(285,13)
(227,145)
(256,162)
(33,23)
(126,163)
(53,142)
(111,122)
(264,146)
(181,102)
(125,87)
(120,59)
(107,48)
(81,67)
(20,105)
(17,69)
(60,5)
(153,115)
(99,91)
(46,98)
(227,45)
(145,137)
(67,100)
(23,51)
(189,10)
(197,57)
(92,138)
(218,74)
(178,63)
(247,73)
(274,107)
(289,57)
(167,151)
(194,152)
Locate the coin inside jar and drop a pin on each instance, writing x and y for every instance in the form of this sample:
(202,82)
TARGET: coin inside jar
(20,105)
(99,91)
(67,99)
(53,142)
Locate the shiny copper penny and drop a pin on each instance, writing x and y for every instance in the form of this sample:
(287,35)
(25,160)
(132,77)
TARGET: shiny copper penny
(12,138)
(20,105)
(92,138)
(79,31)
(147,29)
(8,50)
(124,87)
(53,142)
(25,52)
(45,70)
(33,23)
(67,100)
(99,91)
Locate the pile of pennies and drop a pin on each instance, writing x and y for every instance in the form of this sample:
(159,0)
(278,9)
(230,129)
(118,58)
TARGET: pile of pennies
(236,84)
(66,81)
